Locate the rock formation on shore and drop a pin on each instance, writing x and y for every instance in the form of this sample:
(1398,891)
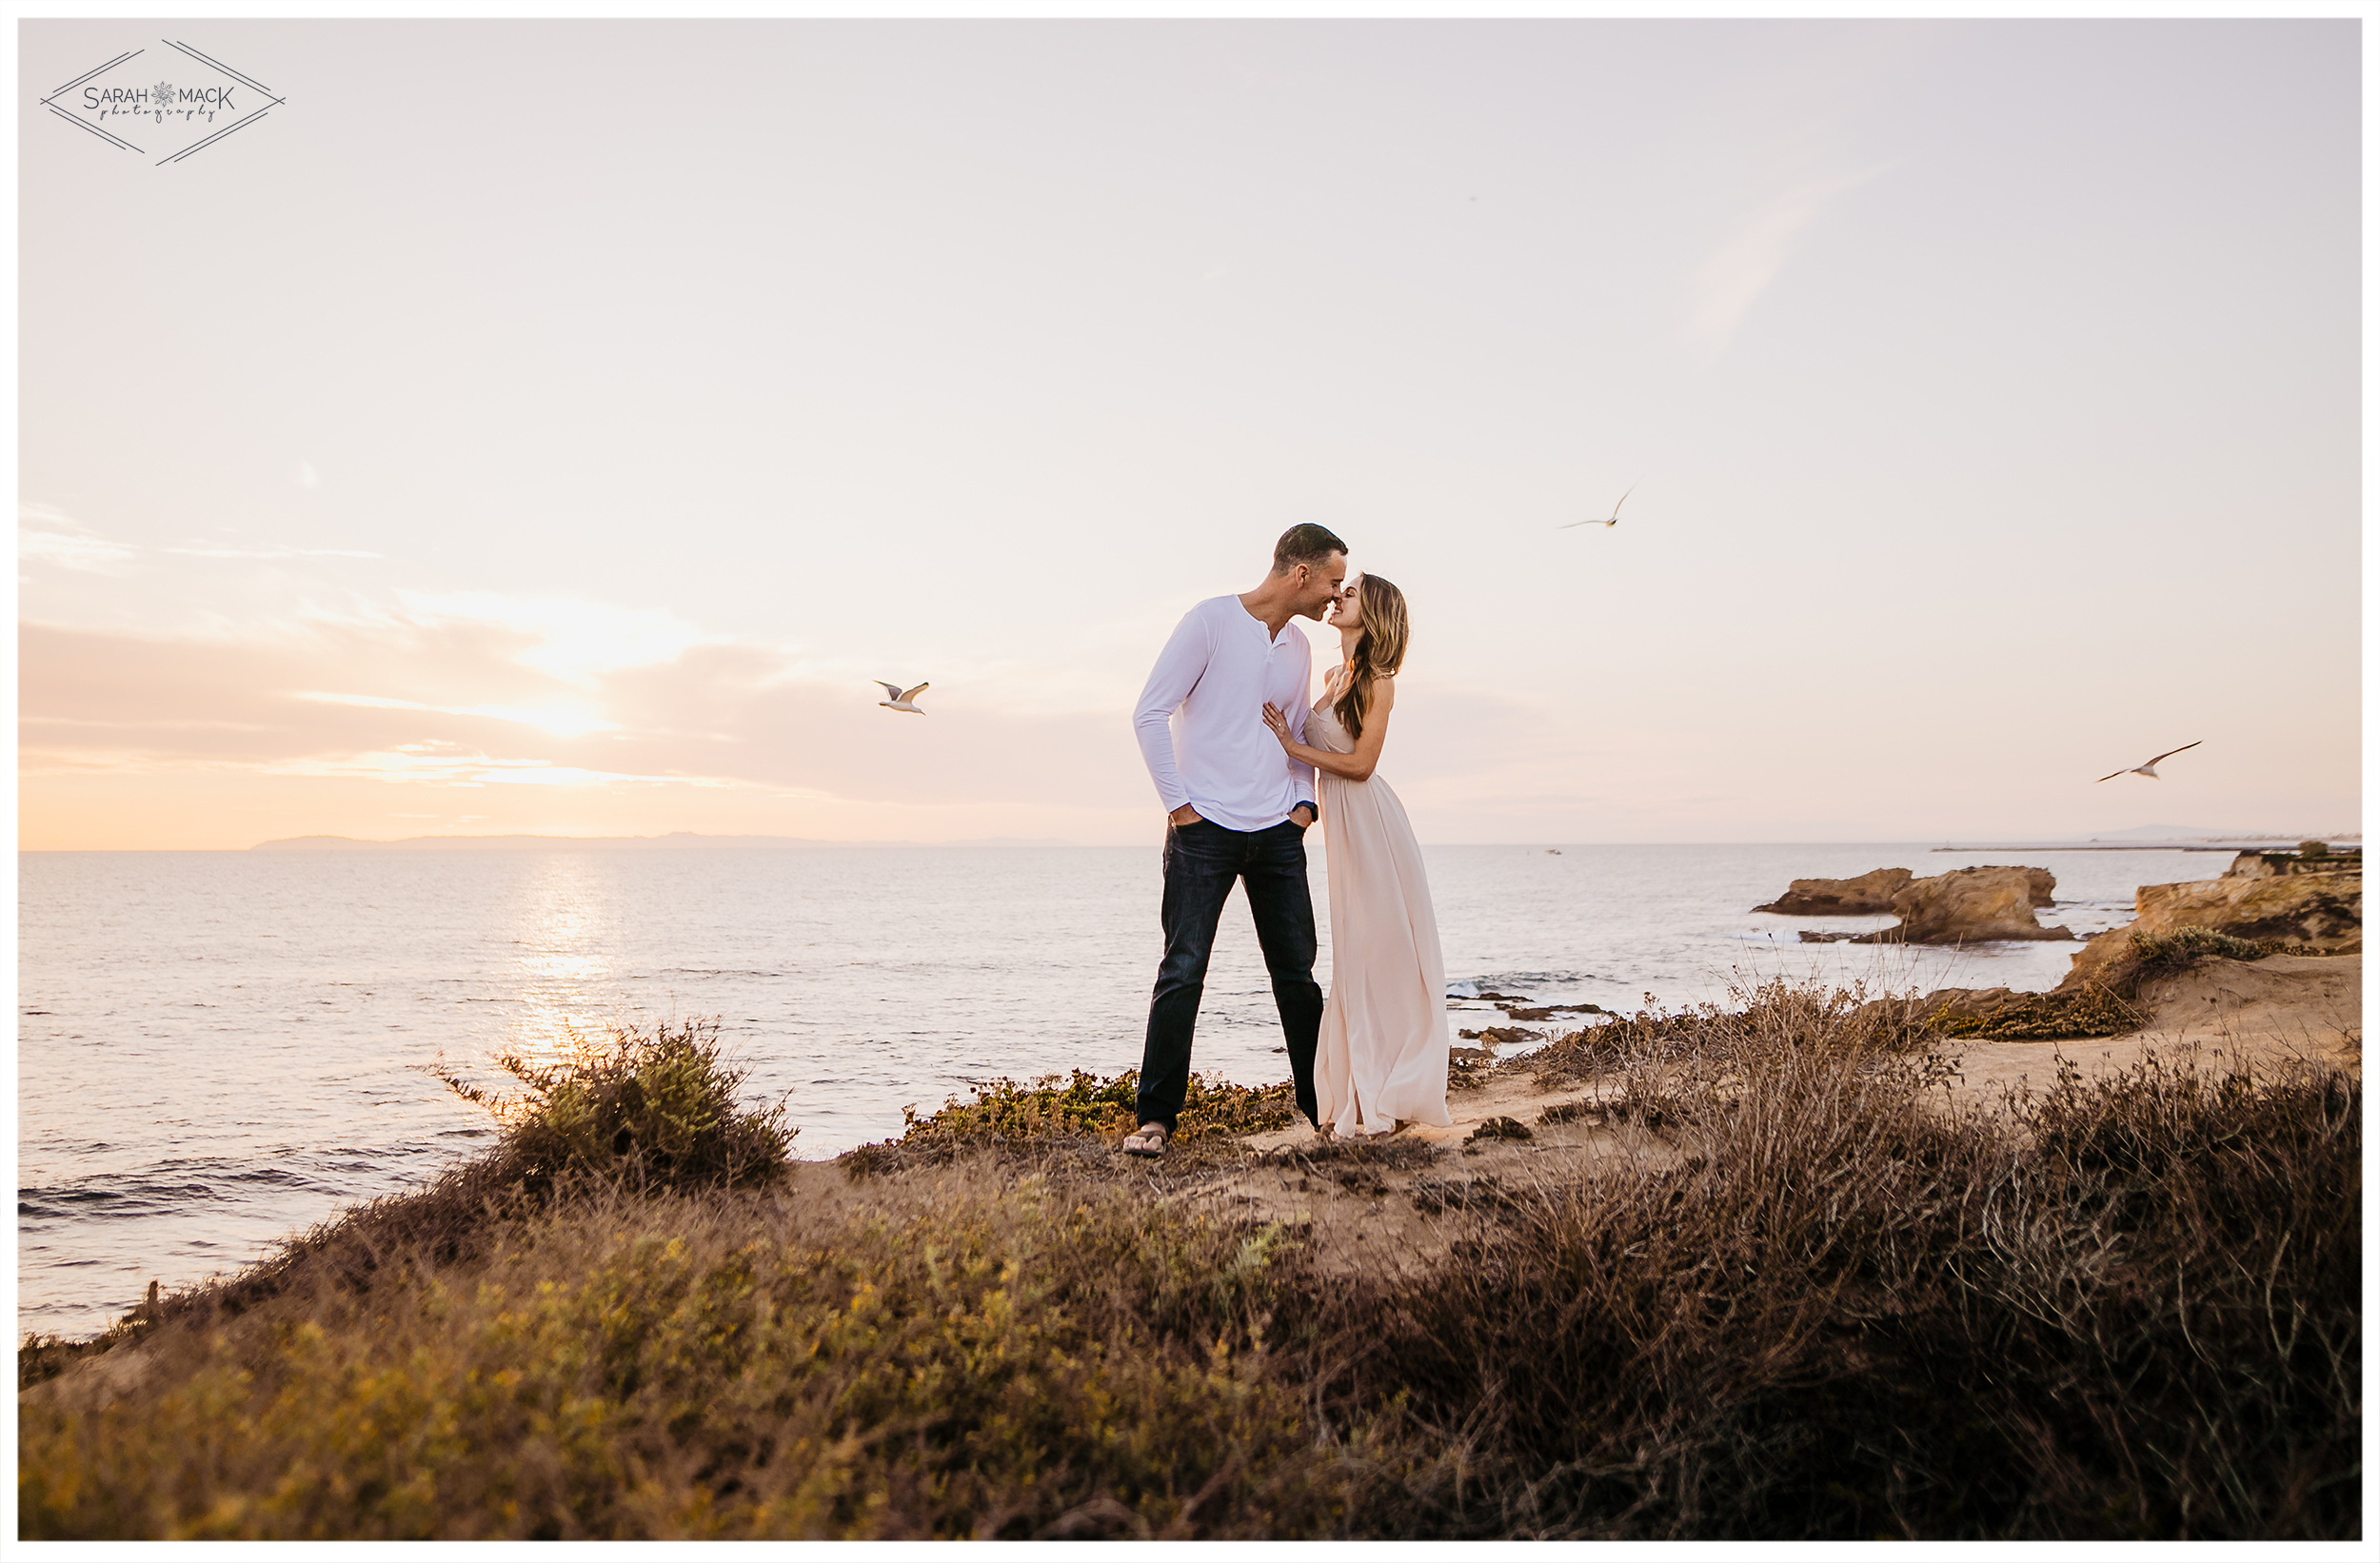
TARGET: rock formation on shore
(1871,892)
(1969,907)
(2310,909)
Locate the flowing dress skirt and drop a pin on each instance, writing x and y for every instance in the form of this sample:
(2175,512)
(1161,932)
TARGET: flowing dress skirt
(1383,1049)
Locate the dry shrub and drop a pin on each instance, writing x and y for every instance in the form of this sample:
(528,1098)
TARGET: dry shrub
(1760,1014)
(2130,1311)
(1580,1055)
(1500,1128)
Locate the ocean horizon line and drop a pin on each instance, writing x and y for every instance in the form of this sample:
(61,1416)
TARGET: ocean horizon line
(2138,838)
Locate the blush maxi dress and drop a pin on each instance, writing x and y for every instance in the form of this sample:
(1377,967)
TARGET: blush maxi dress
(1383,1050)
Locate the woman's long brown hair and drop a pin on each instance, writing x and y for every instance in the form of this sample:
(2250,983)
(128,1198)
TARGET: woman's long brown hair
(1380,650)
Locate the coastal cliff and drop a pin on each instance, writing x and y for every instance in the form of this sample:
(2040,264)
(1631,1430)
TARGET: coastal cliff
(2310,908)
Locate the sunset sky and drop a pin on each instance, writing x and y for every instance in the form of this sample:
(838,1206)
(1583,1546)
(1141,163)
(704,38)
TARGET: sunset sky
(555,426)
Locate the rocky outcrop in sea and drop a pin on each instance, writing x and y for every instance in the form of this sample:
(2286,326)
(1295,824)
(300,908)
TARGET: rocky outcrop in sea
(1969,906)
(1964,906)
(1871,892)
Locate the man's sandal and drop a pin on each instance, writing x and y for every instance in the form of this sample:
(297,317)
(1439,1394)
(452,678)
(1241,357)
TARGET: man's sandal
(1148,1140)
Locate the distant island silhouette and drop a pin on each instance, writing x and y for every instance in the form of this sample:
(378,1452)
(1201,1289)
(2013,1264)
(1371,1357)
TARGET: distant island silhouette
(677,841)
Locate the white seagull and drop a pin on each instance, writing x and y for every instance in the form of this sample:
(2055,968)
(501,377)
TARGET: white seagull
(1611,520)
(905,699)
(2149,767)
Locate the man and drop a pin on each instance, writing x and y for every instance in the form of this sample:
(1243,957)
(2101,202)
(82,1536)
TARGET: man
(1236,810)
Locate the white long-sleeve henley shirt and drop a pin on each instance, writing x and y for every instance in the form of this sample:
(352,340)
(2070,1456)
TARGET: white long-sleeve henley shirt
(1201,719)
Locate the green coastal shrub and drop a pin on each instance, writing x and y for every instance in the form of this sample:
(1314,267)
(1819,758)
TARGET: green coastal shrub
(2045,1016)
(2184,947)
(647,1113)
(1002,1363)
(661,1110)
(1058,1112)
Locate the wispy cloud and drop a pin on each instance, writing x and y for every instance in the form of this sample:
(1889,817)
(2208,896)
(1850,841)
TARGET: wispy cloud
(1741,268)
(321,705)
(217,552)
(452,766)
(477,703)
(560,720)
(48,536)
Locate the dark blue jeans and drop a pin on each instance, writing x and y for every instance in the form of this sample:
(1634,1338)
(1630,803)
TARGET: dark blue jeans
(1202,861)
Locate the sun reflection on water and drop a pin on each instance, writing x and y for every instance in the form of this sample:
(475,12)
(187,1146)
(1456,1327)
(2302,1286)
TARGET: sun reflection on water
(565,987)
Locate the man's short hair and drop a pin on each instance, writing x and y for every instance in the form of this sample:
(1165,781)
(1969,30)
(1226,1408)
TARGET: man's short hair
(1305,544)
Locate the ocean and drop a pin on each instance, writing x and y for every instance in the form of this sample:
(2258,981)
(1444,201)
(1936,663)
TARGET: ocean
(218,1049)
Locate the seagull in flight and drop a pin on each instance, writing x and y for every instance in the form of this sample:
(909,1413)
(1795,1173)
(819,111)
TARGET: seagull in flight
(1611,520)
(905,699)
(2149,768)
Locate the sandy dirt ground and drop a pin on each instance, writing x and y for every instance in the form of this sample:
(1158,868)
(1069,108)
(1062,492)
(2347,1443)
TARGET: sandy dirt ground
(1373,1214)
(2220,1012)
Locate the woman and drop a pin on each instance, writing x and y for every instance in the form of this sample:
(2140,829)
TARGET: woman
(1381,1062)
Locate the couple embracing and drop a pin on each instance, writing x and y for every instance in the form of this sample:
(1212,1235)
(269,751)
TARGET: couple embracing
(1244,766)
